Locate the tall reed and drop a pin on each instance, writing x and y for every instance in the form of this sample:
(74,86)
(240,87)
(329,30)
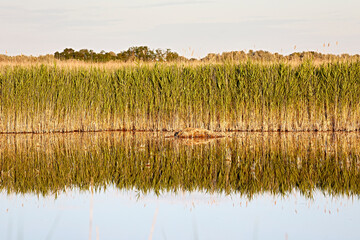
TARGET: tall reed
(217,96)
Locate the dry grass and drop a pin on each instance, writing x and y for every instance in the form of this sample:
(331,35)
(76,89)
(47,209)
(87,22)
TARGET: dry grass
(197,133)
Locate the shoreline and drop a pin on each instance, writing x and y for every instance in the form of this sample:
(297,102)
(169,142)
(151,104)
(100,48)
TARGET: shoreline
(173,131)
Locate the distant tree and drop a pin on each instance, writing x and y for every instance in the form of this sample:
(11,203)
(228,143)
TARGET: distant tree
(57,55)
(68,53)
(171,56)
(159,55)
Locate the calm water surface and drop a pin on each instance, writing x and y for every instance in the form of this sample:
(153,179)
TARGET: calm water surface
(147,186)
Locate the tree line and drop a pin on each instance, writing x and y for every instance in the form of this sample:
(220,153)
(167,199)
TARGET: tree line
(266,56)
(145,54)
(141,53)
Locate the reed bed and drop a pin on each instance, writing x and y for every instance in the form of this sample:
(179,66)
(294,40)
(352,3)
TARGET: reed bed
(246,164)
(230,96)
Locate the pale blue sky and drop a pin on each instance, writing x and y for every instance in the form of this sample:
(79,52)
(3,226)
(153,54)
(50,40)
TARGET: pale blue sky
(34,27)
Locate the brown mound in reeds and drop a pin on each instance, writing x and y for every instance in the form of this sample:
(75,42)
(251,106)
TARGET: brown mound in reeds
(197,133)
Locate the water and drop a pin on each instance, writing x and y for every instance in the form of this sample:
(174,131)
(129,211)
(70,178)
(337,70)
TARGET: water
(146,186)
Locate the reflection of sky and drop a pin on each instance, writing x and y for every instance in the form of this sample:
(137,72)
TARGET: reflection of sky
(40,26)
(125,215)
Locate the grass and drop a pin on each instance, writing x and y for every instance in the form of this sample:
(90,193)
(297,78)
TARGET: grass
(248,164)
(230,96)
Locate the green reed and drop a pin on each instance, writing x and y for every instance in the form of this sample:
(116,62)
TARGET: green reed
(228,96)
(247,164)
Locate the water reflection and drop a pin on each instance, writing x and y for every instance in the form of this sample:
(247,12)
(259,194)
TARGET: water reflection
(245,164)
(123,214)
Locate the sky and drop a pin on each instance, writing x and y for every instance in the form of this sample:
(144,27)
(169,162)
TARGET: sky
(193,28)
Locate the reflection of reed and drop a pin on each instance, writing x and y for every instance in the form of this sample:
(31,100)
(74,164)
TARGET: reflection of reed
(245,163)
